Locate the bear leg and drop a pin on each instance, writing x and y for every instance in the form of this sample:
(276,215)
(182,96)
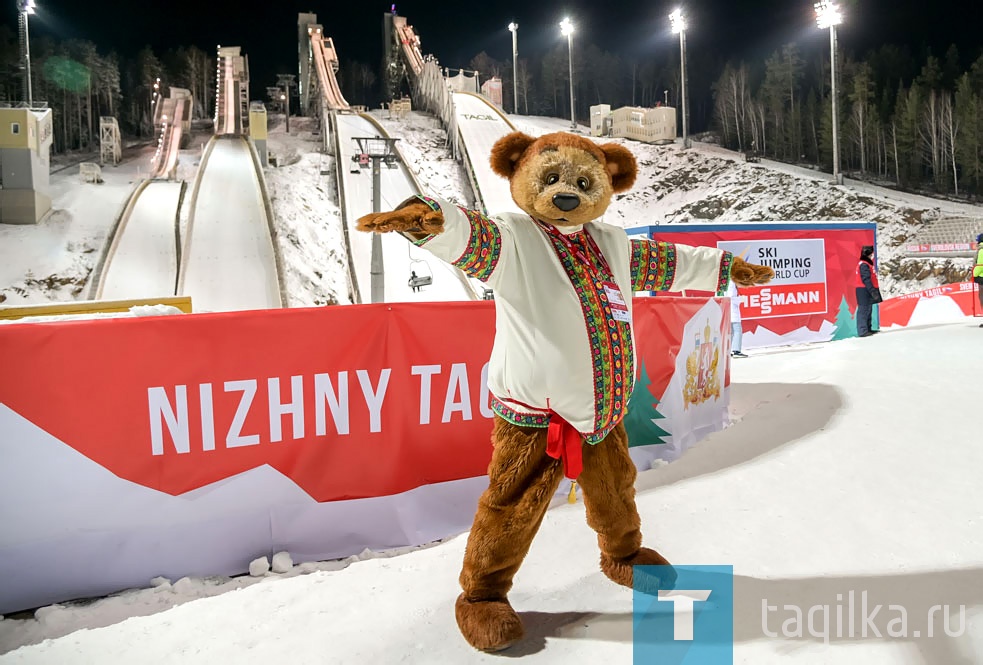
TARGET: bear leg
(608,486)
(522,480)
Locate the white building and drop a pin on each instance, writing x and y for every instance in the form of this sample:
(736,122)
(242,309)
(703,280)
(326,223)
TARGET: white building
(649,125)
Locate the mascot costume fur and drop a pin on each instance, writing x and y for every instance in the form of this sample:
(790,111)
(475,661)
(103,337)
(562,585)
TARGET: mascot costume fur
(562,364)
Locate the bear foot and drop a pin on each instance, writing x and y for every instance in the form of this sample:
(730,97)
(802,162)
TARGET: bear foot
(488,625)
(621,572)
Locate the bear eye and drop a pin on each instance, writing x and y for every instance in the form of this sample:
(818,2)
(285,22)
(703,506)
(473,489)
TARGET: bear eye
(583,183)
(552,179)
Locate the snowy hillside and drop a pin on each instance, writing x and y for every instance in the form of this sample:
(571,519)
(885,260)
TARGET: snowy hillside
(54,260)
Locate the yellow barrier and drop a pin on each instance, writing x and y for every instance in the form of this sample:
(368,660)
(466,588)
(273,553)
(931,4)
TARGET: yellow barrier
(182,303)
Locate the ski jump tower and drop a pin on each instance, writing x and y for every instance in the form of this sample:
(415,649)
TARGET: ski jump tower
(401,56)
(231,91)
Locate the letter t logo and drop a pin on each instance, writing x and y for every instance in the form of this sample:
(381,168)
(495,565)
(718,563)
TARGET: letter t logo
(682,609)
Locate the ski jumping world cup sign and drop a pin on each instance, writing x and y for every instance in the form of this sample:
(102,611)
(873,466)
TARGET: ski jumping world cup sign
(811,299)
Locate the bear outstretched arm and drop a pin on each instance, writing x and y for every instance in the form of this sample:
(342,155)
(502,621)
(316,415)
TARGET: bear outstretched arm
(666,266)
(417,220)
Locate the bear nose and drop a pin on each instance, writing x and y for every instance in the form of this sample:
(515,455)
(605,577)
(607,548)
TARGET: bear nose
(566,202)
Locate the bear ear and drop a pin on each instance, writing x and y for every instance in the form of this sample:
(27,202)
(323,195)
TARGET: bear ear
(507,151)
(621,166)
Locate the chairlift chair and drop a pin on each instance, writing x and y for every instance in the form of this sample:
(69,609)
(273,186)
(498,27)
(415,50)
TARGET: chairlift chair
(425,278)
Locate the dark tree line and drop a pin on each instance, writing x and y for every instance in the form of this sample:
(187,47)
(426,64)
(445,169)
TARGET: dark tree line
(915,120)
(80,84)
(916,123)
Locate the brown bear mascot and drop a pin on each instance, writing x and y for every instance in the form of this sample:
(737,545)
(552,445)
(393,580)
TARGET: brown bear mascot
(562,364)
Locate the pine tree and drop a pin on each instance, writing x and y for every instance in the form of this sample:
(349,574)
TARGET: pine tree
(642,414)
(846,326)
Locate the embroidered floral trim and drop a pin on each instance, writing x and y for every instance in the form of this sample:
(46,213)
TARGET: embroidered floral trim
(653,265)
(541,420)
(610,340)
(723,278)
(484,247)
(516,418)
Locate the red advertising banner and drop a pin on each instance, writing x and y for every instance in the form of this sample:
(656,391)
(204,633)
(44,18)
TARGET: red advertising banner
(348,402)
(935,305)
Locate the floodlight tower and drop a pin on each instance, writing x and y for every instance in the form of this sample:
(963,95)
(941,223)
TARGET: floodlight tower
(678,23)
(378,149)
(566,29)
(24,9)
(514,29)
(828,16)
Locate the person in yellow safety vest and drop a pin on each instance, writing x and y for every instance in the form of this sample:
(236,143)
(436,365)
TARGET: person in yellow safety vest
(978,271)
(868,291)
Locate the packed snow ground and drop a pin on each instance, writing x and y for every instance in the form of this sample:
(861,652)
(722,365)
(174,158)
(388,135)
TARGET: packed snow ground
(831,480)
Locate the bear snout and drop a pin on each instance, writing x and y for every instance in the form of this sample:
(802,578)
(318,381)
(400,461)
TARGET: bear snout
(566,202)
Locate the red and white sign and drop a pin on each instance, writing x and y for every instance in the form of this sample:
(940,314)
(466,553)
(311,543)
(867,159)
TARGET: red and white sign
(940,304)
(764,302)
(799,287)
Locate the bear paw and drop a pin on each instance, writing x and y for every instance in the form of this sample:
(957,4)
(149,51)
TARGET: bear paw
(621,571)
(488,625)
(750,274)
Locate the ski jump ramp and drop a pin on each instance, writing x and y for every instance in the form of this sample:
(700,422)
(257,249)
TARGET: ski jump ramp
(142,258)
(228,258)
(399,256)
(325,60)
(477,121)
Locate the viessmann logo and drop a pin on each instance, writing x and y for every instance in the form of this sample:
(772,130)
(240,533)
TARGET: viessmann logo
(786,300)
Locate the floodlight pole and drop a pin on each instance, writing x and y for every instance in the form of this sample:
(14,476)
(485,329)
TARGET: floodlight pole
(25,8)
(566,28)
(514,29)
(678,24)
(832,75)
(828,15)
(286,81)
(682,76)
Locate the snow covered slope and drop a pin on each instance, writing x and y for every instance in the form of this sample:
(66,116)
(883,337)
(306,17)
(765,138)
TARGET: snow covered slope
(228,260)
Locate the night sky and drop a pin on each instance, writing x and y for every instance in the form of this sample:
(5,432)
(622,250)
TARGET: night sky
(456,31)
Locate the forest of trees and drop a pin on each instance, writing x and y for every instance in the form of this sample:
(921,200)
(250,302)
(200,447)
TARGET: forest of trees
(916,120)
(80,84)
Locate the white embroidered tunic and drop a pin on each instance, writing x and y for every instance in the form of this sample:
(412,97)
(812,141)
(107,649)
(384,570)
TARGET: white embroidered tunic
(563,343)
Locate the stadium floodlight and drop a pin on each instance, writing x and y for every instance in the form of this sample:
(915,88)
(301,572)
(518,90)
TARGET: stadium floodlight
(566,29)
(677,21)
(828,16)
(514,29)
(678,24)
